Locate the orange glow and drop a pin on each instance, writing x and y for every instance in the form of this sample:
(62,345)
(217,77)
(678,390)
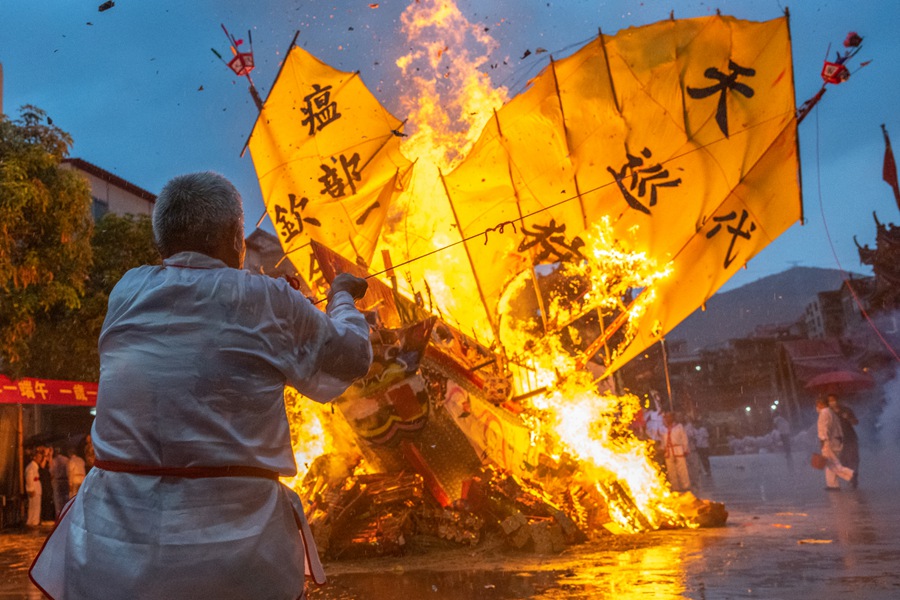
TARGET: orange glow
(317,430)
(448,104)
(308,436)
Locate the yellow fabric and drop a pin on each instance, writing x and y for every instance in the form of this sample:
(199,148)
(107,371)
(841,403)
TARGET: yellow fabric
(570,135)
(323,137)
(680,134)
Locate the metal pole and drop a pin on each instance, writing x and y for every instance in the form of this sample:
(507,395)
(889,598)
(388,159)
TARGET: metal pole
(665,354)
(20,458)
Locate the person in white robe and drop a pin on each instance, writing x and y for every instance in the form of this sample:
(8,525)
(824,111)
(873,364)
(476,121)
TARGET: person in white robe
(676,445)
(75,473)
(33,491)
(191,434)
(831,438)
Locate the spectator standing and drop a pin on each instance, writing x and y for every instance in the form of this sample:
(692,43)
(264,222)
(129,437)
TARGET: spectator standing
(48,512)
(653,426)
(784,432)
(675,444)
(850,441)
(831,439)
(88,453)
(59,478)
(33,489)
(693,461)
(701,441)
(75,472)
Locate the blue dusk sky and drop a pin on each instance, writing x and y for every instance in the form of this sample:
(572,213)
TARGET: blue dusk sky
(144,97)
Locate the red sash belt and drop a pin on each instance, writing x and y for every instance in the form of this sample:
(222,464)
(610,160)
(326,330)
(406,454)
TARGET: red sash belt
(313,563)
(187,472)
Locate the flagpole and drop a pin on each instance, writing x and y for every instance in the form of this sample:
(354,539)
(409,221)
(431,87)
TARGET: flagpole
(494,326)
(889,171)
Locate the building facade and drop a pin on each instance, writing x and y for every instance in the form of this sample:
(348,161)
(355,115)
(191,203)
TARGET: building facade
(111,193)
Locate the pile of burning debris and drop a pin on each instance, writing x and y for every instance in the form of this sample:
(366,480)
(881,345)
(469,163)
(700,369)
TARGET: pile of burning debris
(436,447)
(385,514)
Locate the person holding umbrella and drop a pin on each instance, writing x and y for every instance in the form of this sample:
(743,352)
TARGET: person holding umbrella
(850,441)
(831,438)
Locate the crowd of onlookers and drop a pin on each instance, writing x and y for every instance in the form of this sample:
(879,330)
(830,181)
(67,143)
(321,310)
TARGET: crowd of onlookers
(52,476)
(682,446)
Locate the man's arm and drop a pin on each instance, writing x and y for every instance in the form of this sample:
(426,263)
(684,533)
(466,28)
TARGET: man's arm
(346,353)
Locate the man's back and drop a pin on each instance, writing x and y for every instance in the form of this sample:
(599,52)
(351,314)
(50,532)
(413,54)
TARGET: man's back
(194,358)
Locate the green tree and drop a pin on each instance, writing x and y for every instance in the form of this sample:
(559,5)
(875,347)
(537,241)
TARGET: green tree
(64,344)
(45,230)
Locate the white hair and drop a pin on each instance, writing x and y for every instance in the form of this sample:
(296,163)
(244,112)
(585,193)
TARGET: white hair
(198,212)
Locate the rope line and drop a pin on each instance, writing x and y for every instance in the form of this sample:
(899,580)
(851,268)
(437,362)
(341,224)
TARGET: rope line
(844,274)
(500,226)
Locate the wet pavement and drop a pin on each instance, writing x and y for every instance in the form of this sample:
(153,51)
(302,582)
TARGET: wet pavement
(787,538)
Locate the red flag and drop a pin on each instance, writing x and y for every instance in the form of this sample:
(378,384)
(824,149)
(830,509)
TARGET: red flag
(889,171)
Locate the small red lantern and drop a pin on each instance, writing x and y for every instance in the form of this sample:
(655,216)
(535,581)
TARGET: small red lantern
(835,73)
(241,64)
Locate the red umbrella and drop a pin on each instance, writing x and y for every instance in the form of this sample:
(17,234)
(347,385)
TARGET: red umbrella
(840,382)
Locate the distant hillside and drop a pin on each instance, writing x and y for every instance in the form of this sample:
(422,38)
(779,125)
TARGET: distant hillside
(780,298)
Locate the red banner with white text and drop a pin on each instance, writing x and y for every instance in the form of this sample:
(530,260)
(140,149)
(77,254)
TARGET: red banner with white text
(29,390)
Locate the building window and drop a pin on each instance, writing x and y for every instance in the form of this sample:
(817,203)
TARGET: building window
(99,207)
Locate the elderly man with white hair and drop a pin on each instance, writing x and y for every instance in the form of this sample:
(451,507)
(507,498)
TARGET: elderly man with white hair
(191,434)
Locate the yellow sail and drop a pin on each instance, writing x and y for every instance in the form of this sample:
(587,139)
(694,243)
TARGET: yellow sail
(682,134)
(680,137)
(328,161)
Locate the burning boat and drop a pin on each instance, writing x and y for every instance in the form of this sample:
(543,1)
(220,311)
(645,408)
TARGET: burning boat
(529,249)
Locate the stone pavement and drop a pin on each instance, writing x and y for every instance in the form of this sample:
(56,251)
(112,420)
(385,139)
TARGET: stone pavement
(787,538)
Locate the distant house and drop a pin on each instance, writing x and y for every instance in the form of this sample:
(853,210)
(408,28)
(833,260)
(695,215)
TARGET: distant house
(111,193)
(824,316)
(833,313)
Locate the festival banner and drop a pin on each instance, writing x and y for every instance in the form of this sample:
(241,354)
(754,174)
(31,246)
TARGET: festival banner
(29,390)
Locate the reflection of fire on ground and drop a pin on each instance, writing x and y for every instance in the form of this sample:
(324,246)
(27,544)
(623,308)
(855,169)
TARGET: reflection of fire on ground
(447,441)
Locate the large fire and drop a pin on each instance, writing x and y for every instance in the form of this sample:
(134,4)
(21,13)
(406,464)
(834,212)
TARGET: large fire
(448,101)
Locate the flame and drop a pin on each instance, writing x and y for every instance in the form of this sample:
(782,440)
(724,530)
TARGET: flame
(593,428)
(448,102)
(318,430)
(574,418)
(308,434)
